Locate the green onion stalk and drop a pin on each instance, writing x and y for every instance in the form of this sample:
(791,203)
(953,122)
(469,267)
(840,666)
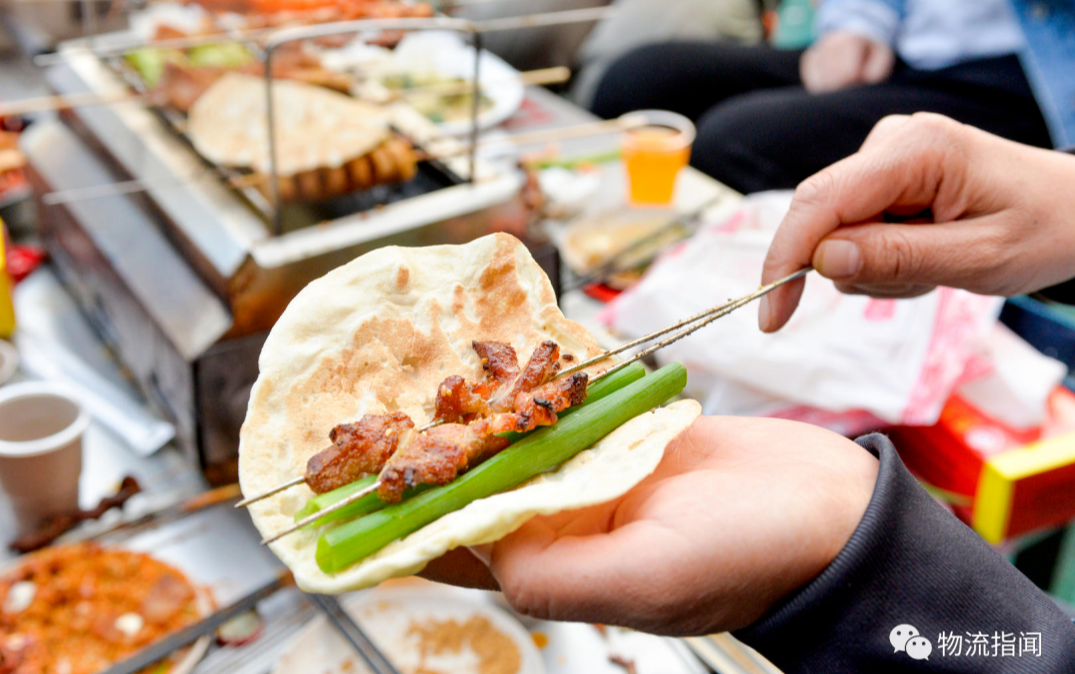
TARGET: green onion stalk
(372,502)
(539,452)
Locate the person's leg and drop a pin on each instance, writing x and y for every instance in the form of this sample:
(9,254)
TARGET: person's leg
(690,77)
(775,139)
(992,94)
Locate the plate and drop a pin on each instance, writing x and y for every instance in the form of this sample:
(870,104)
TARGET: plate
(446,55)
(192,654)
(388,617)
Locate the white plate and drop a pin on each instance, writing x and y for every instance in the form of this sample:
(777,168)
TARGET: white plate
(447,55)
(386,616)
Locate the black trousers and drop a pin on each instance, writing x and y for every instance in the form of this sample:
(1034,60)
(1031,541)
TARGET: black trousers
(758,128)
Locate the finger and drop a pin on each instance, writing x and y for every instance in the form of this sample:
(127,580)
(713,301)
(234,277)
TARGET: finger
(900,292)
(878,63)
(839,66)
(904,169)
(460,567)
(807,69)
(884,129)
(892,258)
(578,578)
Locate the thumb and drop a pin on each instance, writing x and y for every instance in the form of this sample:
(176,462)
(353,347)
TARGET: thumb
(882,255)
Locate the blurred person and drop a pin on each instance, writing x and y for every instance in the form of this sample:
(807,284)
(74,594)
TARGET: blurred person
(769,118)
(640,22)
(825,554)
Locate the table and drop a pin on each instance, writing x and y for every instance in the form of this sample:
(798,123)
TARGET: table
(219,546)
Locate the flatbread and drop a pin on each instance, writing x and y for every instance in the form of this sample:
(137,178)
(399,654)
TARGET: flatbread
(379,334)
(315,127)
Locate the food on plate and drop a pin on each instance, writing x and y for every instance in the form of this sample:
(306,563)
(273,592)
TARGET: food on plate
(495,651)
(327,143)
(179,77)
(382,336)
(275,12)
(593,243)
(78,609)
(588,245)
(437,107)
(421,630)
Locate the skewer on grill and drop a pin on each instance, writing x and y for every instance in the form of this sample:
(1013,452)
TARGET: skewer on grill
(27,106)
(685,327)
(626,122)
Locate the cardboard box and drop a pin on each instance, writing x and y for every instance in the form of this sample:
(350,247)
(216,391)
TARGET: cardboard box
(1004,482)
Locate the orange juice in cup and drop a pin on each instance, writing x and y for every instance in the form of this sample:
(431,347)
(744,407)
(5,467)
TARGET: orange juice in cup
(653,154)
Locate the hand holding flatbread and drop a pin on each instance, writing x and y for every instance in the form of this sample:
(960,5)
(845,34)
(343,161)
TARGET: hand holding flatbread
(379,335)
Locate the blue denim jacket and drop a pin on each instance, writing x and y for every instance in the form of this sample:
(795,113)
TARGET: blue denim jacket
(1047,54)
(1049,61)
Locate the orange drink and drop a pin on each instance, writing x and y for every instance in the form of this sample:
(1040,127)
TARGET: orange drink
(654,153)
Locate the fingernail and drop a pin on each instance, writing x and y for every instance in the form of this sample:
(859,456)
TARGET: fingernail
(838,259)
(763,313)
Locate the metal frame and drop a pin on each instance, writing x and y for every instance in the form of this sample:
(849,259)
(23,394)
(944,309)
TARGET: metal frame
(286,35)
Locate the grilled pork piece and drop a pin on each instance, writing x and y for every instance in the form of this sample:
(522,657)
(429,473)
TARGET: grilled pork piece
(358,449)
(437,456)
(459,400)
(507,399)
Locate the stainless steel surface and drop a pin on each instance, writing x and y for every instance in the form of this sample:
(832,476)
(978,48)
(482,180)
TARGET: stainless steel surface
(228,242)
(352,634)
(194,543)
(204,627)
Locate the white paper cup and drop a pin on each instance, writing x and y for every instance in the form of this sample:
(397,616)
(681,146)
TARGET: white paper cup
(41,427)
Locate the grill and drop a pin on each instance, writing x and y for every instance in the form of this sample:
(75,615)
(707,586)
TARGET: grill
(184,275)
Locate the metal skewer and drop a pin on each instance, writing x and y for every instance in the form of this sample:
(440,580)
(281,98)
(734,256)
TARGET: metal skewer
(686,327)
(555,75)
(275,490)
(323,513)
(339,505)
(715,312)
(105,190)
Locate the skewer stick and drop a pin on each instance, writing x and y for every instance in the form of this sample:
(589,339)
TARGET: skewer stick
(541,76)
(32,105)
(69,101)
(120,48)
(255,34)
(628,121)
(339,505)
(322,513)
(687,326)
(710,315)
(275,490)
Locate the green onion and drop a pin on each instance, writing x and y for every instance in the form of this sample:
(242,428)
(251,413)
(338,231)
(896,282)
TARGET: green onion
(368,504)
(541,451)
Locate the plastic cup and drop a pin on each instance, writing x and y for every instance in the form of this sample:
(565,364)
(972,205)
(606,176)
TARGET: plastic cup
(41,429)
(654,153)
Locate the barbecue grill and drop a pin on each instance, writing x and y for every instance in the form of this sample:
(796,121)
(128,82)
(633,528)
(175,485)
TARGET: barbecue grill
(183,274)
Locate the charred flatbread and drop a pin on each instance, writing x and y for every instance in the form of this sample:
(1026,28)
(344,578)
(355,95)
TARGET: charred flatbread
(315,127)
(378,335)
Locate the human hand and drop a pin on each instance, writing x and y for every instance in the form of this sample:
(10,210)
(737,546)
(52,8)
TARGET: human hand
(997,217)
(840,59)
(739,514)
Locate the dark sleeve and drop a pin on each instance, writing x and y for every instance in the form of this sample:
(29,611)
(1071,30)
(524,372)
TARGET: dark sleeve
(910,562)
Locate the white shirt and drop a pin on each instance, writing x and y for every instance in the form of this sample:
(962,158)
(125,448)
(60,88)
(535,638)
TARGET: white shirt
(929,34)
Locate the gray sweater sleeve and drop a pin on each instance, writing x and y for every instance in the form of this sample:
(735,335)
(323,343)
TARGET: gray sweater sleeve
(911,563)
